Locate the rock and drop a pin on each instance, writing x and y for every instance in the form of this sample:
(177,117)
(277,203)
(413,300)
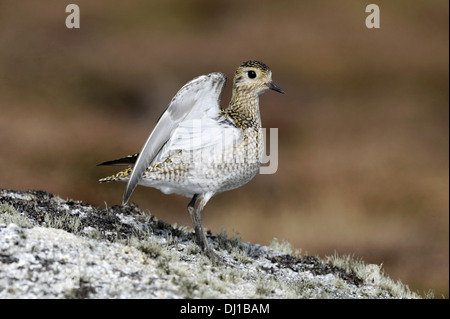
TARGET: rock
(55,248)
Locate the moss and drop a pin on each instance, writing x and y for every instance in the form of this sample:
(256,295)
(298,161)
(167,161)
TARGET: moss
(373,275)
(66,222)
(181,266)
(9,215)
(264,287)
(149,246)
(187,286)
(284,247)
(226,243)
(83,291)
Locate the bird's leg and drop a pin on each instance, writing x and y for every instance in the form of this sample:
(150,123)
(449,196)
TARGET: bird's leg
(197,222)
(196,216)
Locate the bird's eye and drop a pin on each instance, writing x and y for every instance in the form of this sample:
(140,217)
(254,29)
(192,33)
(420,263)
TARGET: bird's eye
(251,74)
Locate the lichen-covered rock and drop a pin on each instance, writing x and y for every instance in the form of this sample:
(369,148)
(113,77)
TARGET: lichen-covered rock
(55,248)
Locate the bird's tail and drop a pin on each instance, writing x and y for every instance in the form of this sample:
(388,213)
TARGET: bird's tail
(121,176)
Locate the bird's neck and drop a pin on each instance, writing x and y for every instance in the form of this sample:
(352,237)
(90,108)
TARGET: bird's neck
(244,109)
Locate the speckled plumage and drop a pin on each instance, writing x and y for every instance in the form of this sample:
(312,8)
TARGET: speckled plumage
(199,150)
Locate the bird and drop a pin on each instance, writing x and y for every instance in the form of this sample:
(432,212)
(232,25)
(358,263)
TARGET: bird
(199,150)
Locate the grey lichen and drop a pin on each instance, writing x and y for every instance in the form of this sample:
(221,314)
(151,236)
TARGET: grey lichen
(9,215)
(55,248)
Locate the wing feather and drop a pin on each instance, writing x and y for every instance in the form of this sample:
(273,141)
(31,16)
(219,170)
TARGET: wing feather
(197,98)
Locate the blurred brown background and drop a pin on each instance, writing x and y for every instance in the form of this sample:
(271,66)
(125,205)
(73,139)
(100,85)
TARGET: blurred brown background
(363,128)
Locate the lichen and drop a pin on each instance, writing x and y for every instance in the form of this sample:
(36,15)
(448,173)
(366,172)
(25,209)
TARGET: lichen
(92,249)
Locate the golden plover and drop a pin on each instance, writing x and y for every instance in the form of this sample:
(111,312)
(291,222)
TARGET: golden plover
(199,150)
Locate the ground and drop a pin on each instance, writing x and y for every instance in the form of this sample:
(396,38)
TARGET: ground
(56,248)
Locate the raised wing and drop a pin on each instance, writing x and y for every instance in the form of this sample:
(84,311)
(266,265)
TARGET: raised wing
(199,97)
(202,134)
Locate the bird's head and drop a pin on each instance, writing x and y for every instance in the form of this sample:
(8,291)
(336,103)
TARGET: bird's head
(254,76)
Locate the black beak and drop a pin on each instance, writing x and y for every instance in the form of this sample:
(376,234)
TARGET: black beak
(274,87)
